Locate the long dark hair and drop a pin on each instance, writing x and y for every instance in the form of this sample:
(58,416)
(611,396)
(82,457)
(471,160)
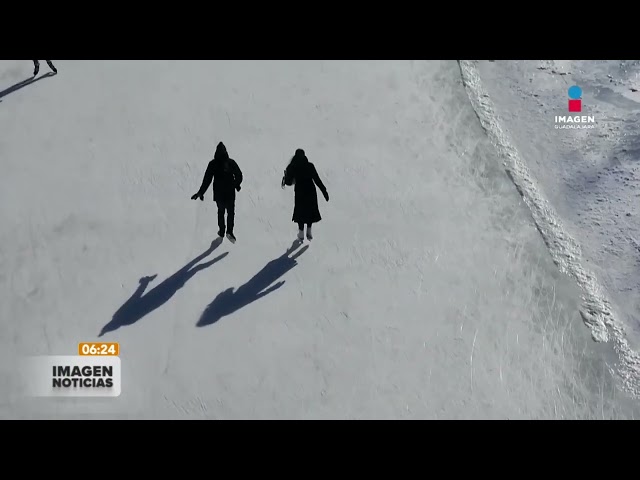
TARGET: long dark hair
(298,159)
(289,177)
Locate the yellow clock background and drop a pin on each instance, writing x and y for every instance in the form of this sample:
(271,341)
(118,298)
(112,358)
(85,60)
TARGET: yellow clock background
(99,349)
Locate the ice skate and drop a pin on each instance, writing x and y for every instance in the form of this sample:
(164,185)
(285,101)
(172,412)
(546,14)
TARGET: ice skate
(309,234)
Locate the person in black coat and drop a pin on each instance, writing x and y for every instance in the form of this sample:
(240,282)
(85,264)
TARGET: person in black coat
(227,178)
(36,67)
(303,174)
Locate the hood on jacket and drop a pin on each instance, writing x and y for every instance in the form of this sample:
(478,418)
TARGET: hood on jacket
(221,152)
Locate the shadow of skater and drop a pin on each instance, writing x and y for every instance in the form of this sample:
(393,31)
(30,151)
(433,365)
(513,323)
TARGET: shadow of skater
(228,302)
(23,84)
(138,305)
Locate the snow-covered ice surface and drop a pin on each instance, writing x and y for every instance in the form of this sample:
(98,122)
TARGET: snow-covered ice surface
(590,177)
(427,292)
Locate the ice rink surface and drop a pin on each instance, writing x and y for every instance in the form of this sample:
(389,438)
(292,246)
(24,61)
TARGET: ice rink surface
(427,292)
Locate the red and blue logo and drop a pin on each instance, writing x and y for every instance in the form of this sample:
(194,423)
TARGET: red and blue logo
(575,99)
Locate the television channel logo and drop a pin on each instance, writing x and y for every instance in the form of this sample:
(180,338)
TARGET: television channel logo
(575,99)
(575,121)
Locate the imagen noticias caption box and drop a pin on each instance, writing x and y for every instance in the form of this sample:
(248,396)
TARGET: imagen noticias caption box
(94,372)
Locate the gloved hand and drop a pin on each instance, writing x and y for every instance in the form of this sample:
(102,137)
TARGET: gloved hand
(195,196)
(238,188)
(326,195)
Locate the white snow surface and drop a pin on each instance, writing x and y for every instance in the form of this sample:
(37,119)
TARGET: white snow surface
(430,289)
(590,177)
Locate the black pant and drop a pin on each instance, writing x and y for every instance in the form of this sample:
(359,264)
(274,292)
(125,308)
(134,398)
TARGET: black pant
(36,64)
(301,226)
(228,207)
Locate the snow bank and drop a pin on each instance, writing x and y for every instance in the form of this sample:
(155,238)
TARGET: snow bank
(559,158)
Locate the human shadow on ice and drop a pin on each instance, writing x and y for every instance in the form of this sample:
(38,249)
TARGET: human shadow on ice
(228,301)
(140,305)
(24,83)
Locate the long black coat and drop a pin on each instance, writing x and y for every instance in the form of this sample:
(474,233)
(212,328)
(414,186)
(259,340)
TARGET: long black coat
(304,176)
(226,176)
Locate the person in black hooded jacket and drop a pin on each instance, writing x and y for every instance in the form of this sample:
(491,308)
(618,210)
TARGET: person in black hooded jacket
(303,174)
(227,179)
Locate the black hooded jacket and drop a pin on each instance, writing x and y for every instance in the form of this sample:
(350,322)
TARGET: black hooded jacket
(225,174)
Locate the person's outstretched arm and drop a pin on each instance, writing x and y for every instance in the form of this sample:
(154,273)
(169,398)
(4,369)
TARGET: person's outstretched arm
(318,182)
(237,174)
(206,181)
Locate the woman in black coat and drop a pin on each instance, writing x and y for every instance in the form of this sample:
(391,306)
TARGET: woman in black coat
(303,174)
